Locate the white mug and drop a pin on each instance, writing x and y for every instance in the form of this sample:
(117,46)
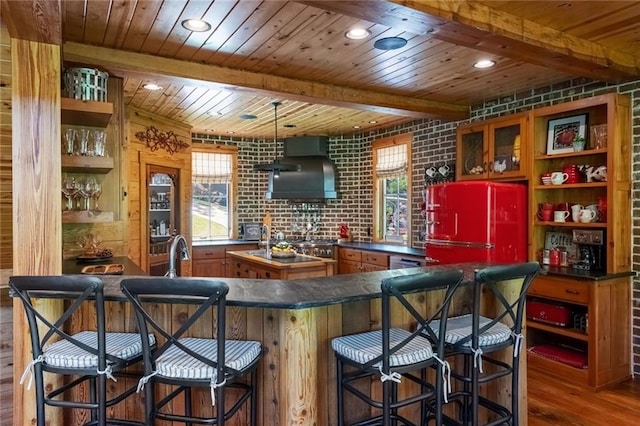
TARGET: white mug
(560,215)
(444,170)
(587,215)
(558,178)
(575,212)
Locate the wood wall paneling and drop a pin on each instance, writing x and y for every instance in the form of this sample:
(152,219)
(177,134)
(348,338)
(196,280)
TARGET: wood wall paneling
(139,156)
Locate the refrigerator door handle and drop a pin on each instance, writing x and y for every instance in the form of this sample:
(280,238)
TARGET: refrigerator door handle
(469,244)
(431,260)
(432,206)
(432,222)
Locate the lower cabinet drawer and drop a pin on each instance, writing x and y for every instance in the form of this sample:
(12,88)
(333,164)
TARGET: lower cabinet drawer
(376,258)
(560,289)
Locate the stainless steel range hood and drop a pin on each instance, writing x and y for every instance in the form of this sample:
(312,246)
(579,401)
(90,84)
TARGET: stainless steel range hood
(317,177)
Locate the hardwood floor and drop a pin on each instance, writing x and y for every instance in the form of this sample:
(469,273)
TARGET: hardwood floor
(555,402)
(551,402)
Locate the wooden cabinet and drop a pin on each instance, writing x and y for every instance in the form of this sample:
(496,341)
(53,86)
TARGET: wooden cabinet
(85,177)
(494,149)
(243,265)
(212,261)
(352,261)
(598,330)
(598,300)
(209,261)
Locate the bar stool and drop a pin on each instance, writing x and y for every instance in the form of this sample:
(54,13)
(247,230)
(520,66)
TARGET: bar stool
(182,362)
(90,356)
(474,337)
(392,354)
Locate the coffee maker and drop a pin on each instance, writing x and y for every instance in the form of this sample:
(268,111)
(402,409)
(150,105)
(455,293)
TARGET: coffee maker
(591,250)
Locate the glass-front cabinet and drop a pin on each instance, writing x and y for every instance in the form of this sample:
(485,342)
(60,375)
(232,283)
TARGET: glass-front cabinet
(493,149)
(162,215)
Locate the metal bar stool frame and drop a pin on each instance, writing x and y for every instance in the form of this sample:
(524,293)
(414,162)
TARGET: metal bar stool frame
(431,397)
(476,344)
(80,289)
(211,294)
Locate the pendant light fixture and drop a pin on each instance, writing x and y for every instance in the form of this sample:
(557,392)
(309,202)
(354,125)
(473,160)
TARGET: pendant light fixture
(276,167)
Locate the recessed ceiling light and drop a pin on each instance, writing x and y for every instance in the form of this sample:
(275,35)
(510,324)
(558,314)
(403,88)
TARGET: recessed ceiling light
(373,122)
(230,132)
(248,117)
(357,33)
(485,63)
(356,127)
(214,112)
(390,43)
(196,25)
(289,126)
(151,86)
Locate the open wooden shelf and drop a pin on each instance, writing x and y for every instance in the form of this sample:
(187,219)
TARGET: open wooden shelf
(87,216)
(562,331)
(82,164)
(85,113)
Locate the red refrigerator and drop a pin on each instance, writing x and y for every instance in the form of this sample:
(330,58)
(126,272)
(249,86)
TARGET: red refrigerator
(475,221)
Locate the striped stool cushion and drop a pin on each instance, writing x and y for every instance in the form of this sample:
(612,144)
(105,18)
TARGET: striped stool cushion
(65,354)
(460,327)
(178,364)
(364,347)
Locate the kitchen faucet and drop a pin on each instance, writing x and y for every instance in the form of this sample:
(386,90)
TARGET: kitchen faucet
(172,254)
(267,236)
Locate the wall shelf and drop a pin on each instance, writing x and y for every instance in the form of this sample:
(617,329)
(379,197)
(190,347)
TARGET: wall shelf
(80,164)
(85,113)
(87,216)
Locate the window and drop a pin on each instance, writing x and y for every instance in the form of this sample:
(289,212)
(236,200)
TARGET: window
(212,188)
(392,189)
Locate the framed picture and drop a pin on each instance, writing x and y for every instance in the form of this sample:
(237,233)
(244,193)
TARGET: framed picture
(562,132)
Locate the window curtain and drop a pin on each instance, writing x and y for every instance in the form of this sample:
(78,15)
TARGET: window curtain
(392,161)
(208,167)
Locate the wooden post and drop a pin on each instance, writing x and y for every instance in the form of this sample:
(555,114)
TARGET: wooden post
(37,214)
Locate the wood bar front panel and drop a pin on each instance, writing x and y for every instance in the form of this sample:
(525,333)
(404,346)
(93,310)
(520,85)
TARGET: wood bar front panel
(297,372)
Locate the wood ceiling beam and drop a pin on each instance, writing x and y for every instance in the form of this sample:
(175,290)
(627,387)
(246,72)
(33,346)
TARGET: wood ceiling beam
(477,26)
(196,74)
(36,20)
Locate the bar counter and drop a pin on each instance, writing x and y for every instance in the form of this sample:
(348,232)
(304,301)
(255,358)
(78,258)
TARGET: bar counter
(295,320)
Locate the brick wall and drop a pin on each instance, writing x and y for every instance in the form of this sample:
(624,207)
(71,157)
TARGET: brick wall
(433,145)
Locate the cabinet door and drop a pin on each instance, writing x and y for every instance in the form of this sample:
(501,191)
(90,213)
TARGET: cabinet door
(348,266)
(209,268)
(472,152)
(505,154)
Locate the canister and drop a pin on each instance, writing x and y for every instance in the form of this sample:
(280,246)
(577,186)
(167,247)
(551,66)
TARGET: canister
(546,253)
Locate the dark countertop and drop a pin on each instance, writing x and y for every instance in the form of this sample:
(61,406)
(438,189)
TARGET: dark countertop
(72,266)
(583,275)
(387,248)
(201,243)
(300,293)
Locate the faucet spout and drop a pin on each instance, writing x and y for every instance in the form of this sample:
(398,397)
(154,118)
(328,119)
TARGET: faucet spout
(266,233)
(181,241)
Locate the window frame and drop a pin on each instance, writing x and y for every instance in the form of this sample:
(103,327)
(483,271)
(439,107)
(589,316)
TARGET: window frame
(232,197)
(379,214)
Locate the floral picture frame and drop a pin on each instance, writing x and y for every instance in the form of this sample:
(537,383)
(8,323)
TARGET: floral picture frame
(562,131)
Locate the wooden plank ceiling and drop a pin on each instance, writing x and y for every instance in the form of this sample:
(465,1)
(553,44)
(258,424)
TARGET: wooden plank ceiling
(296,52)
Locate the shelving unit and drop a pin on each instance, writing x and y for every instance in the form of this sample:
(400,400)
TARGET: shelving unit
(76,112)
(602,297)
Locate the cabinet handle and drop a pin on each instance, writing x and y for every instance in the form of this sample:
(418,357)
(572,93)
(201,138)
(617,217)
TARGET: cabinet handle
(572,291)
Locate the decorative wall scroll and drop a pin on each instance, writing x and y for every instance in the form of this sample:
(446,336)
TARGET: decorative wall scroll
(157,139)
